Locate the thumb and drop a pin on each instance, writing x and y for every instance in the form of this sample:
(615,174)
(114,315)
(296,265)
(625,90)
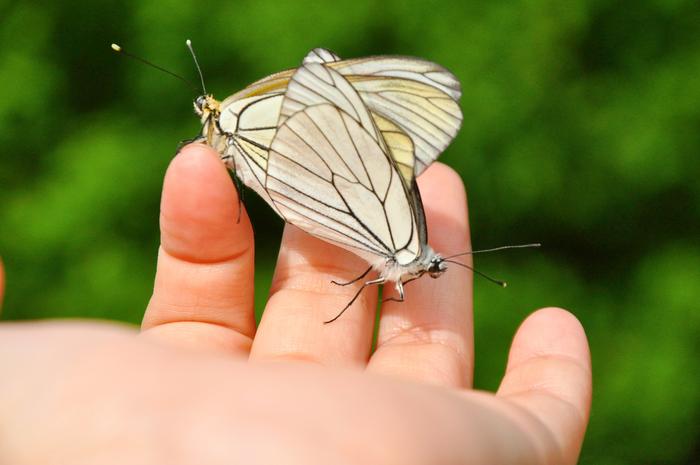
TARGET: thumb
(549,374)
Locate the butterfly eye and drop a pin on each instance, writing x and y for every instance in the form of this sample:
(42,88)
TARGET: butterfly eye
(199,103)
(436,268)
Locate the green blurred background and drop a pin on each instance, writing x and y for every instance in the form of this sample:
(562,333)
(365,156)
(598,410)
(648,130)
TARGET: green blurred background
(581,131)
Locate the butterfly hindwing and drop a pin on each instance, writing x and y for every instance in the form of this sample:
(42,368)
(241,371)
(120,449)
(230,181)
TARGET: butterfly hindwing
(249,125)
(419,96)
(429,116)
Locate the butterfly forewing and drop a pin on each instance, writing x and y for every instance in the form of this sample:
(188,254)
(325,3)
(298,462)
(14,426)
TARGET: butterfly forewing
(320,55)
(329,174)
(301,186)
(413,102)
(314,84)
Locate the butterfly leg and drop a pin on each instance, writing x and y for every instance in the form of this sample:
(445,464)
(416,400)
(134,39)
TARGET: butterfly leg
(239,189)
(372,282)
(353,280)
(184,142)
(198,138)
(230,163)
(399,289)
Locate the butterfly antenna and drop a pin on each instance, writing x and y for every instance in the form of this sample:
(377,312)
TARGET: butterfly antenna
(505,247)
(188,42)
(483,275)
(120,50)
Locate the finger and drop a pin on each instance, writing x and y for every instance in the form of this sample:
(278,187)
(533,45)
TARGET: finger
(549,375)
(428,337)
(302,297)
(203,292)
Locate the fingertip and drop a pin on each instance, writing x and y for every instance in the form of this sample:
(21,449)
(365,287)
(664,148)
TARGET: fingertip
(550,330)
(191,164)
(549,374)
(198,147)
(200,219)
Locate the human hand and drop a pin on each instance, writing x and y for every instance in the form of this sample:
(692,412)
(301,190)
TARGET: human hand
(202,385)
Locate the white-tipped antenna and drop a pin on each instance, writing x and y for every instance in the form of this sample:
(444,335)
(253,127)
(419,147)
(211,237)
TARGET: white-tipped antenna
(495,249)
(121,51)
(188,42)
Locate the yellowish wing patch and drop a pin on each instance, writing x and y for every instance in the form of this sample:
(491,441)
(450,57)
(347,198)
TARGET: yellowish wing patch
(399,144)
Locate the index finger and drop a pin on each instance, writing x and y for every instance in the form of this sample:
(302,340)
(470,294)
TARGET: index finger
(549,375)
(203,293)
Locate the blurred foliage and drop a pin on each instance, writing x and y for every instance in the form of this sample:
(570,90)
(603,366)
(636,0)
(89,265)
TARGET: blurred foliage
(581,130)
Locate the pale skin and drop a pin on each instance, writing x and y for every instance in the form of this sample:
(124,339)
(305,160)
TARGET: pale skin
(201,384)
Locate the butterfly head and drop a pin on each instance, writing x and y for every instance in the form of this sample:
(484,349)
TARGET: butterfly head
(436,267)
(207,105)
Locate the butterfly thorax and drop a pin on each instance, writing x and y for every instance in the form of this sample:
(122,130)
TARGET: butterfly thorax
(428,262)
(209,110)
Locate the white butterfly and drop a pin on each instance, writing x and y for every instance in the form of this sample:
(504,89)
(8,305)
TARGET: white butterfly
(334,147)
(407,97)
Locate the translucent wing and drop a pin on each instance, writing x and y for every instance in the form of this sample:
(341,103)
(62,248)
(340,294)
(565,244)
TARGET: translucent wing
(329,174)
(399,146)
(315,84)
(416,97)
(320,55)
(249,125)
(403,67)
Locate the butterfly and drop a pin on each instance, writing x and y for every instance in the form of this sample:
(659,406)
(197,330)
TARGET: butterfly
(334,147)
